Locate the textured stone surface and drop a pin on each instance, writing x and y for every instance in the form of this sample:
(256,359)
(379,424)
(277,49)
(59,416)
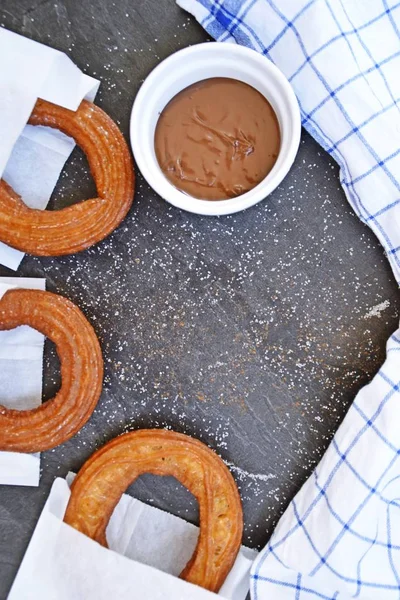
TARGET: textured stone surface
(250,332)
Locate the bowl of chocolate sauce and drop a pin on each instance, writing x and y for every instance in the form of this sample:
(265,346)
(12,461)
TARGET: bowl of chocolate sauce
(215,128)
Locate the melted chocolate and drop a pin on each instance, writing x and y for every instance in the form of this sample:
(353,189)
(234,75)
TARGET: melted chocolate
(217,139)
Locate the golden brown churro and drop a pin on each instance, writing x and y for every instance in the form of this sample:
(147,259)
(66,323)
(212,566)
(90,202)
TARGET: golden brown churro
(58,419)
(106,475)
(53,233)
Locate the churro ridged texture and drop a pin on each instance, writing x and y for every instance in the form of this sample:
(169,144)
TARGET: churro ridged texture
(81,363)
(72,229)
(105,476)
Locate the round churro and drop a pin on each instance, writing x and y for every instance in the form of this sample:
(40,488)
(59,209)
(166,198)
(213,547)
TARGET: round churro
(58,419)
(53,233)
(106,475)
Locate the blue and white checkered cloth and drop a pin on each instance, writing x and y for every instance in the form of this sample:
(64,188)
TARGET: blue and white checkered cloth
(340,536)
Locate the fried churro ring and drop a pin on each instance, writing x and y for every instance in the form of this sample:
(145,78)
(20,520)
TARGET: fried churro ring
(72,229)
(58,419)
(105,476)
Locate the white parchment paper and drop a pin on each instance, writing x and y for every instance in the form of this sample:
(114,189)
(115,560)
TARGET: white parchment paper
(21,367)
(148,548)
(31,158)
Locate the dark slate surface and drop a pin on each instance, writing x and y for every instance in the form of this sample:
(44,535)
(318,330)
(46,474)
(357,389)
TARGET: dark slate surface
(250,332)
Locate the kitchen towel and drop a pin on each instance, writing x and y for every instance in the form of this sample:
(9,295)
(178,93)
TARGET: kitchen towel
(31,158)
(340,536)
(342,58)
(21,369)
(148,550)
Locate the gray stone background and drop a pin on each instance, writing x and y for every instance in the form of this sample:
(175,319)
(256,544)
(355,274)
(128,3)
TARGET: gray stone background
(251,332)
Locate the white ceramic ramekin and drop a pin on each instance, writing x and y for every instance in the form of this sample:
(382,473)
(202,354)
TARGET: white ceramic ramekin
(194,64)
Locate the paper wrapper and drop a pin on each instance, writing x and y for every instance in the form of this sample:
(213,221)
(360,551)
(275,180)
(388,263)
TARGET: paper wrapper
(21,367)
(148,549)
(31,158)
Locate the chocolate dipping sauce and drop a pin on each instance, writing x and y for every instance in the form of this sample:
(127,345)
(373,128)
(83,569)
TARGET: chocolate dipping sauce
(217,139)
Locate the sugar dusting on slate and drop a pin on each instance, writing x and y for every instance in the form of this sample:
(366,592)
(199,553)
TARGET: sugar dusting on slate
(247,332)
(376,311)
